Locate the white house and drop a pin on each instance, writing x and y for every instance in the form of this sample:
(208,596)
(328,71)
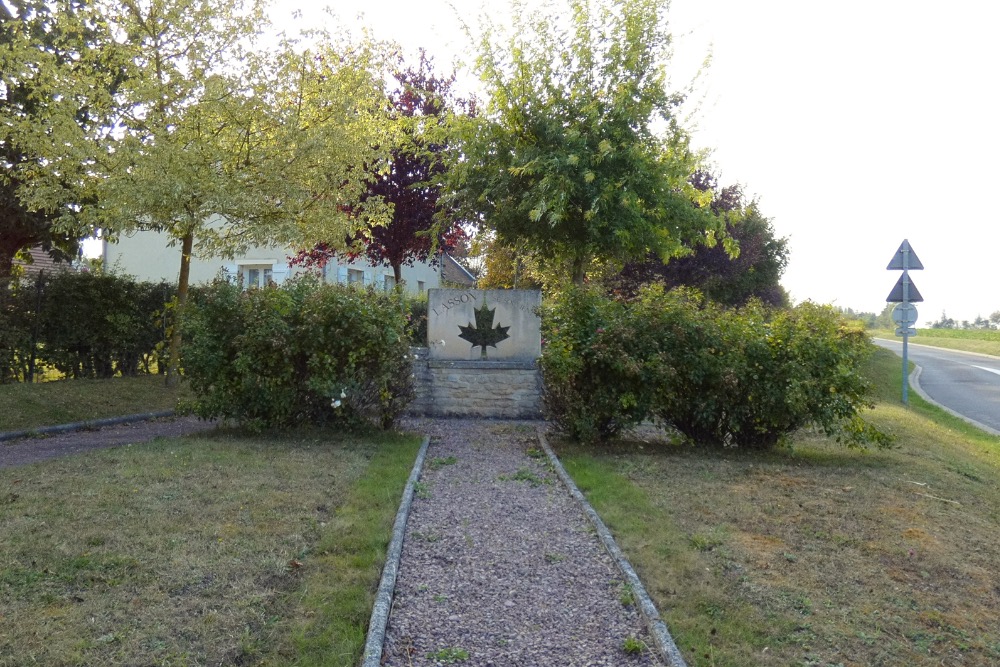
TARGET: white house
(146,256)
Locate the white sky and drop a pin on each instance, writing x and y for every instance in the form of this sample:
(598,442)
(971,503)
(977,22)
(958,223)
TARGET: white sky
(857,124)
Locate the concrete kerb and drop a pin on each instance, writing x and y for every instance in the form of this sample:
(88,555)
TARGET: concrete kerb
(657,628)
(80,426)
(383,599)
(914,380)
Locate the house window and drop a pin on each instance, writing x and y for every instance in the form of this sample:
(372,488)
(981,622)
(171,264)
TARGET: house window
(256,275)
(355,276)
(421,287)
(388,282)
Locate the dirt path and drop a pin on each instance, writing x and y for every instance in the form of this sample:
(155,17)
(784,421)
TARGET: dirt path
(32,450)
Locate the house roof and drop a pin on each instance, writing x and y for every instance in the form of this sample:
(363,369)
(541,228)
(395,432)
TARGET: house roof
(453,272)
(41,261)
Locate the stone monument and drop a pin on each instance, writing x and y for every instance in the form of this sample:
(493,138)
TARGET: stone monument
(497,325)
(481,357)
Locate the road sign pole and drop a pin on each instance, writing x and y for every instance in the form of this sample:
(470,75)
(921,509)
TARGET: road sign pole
(906,337)
(905,314)
(906,364)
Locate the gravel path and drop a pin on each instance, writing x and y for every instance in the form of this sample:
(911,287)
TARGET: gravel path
(32,450)
(499,562)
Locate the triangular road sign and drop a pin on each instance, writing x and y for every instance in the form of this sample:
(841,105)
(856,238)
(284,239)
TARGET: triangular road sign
(896,295)
(905,259)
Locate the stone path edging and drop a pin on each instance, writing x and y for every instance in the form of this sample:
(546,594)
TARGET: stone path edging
(80,426)
(657,628)
(383,599)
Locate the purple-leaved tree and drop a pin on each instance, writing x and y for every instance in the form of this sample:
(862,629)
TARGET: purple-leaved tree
(411,182)
(753,273)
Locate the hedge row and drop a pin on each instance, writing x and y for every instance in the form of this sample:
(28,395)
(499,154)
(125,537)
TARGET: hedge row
(746,377)
(304,352)
(81,325)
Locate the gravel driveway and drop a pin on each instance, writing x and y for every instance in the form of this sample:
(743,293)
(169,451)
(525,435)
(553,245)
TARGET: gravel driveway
(32,450)
(500,566)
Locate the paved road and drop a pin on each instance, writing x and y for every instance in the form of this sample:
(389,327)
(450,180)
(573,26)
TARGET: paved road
(964,383)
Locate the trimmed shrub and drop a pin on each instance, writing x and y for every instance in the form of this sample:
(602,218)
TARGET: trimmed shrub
(746,377)
(83,325)
(591,363)
(100,324)
(16,313)
(417,320)
(302,352)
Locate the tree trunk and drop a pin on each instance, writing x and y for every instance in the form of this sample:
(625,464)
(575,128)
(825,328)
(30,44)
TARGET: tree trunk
(6,264)
(578,270)
(11,242)
(397,277)
(173,370)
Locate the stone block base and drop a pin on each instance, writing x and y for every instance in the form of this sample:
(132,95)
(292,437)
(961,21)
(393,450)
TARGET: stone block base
(496,389)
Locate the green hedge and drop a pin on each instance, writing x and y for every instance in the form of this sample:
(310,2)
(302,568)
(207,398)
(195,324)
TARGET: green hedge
(417,319)
(746,377)
(302,352)
(81,325)
(15,331)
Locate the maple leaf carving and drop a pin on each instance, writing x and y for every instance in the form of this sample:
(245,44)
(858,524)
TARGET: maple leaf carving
(484,334)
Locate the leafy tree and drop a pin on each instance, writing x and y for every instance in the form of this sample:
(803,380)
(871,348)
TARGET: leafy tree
(866,319)
(507,267)
(189,128)
(884,319)
(726,279)
(46,47)
(580,154)
(981,323)
(944,322)
(410,181)
(220,146)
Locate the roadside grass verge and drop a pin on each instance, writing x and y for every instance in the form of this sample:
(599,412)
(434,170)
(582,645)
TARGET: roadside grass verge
(27,406)
(814,554)
(967,340)
(224,550)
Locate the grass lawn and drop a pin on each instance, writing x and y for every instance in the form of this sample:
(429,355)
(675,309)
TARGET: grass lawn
(968,340)
(221,550)
(27,406)
(815,554)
